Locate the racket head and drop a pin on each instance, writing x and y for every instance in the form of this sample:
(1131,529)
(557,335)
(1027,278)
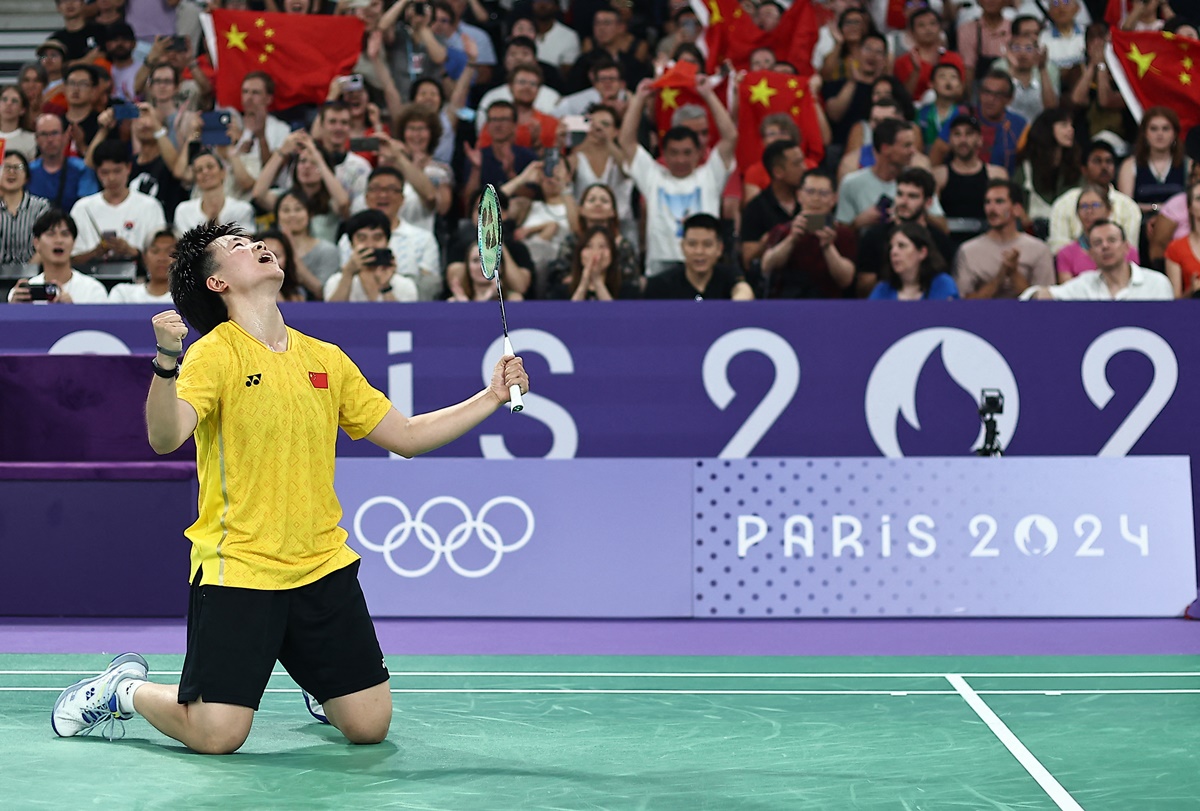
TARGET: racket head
(490,235)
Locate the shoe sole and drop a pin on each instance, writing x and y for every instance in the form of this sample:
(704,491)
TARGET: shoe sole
(124,658)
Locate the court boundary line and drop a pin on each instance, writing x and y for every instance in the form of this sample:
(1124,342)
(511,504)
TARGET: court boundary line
(584,691)
(693,674)
(1059,795)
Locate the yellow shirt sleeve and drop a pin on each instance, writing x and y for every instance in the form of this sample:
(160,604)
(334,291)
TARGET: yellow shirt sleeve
(200,376)
(361,405)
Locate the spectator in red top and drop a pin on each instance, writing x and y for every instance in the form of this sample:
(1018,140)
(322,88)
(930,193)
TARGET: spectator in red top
(915,68)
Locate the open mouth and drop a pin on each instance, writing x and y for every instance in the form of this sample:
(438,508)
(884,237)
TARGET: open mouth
(266,257)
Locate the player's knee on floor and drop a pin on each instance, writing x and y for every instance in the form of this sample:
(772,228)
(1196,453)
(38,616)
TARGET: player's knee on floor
(366,731)
(219,741)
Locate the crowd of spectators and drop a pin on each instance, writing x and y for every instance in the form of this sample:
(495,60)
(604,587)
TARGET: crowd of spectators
(981,151)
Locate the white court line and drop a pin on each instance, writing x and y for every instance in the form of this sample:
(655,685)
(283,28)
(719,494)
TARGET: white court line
(685,675)
(1013,744)
(651,692)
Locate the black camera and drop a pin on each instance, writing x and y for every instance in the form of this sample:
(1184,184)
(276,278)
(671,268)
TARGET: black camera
(383,258)
(420,8)
(991,402)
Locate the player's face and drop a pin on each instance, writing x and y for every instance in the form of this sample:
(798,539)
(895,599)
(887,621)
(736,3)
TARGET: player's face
(244,265)
(701,249)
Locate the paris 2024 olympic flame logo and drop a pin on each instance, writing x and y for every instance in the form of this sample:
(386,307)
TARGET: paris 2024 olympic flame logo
(972,363)
(443,538)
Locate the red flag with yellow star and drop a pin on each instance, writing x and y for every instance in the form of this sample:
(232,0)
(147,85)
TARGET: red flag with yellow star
(677,87)
(730,33)
(301,52)
(1157,69)
(764,92)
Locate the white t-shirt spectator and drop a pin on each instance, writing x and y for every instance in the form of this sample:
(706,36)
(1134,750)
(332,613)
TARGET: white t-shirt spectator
(136,219)
(189,214)
(670,200)
(1144,285)
(277,132)
(82,289)
(135,293)
(558,46)
(403,288)
(414,210)
(417,257)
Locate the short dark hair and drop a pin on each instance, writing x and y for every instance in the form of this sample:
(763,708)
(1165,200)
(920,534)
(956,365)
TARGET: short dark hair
(918,14)
(521,42)
(1000,76)
(824,174)
(50,219)
(1099,145)
(191,265)
(773,154)
(876,35)
(604,62)
(386,171)
(502,105)
(943,65)
(887,131)
(680,134)
(1106,221)
(527,67)
(921,178)
(1021,20)
(335,106)
(267,81)
(368,218)
(1016,192)
(111,152)
(706,222)
(91,70)
(427,80)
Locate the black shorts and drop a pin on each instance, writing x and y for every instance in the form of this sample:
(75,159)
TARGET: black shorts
(321,633)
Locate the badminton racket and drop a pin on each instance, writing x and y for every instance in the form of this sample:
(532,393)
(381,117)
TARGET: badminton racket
(490,237)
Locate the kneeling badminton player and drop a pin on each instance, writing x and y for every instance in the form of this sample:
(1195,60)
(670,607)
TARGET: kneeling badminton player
(272,577)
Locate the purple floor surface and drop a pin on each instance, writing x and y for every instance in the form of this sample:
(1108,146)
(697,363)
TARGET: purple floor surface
(949,637)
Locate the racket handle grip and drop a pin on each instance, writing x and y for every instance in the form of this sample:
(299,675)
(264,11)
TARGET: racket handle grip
(514,391)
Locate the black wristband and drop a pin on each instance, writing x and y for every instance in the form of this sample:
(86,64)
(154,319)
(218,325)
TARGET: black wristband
(168,353)
(161,372)
(387,289)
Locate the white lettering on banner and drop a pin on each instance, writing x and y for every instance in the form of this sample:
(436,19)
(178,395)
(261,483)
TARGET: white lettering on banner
(89,342)
(440,546)
(715,371)
(565,444)
(1037,535)
(972,363)
(1034,535)
(400,376)
(1158,394)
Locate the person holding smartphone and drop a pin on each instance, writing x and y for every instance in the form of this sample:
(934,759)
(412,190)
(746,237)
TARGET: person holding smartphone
(53,243)
(811,255)
(369,273)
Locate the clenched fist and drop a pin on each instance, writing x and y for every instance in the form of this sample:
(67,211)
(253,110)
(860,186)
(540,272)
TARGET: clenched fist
(169,330)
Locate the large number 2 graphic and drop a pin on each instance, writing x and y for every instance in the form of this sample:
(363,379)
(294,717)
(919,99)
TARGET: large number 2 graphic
(1162,385)
(777,398)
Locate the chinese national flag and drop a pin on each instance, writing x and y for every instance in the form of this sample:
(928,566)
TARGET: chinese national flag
(677,87)
(301,52)
(764,92)
(1114,13)
(731,34)
(1157,69)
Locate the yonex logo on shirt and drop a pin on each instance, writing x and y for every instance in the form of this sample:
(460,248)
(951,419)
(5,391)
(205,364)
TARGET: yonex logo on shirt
(253,380)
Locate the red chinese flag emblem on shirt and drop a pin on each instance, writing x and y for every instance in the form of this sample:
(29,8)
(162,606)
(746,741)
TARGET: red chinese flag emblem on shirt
(1157,69)
(301,52)
(765,92)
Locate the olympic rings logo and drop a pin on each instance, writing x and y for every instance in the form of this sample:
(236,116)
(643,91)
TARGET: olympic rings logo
(429,537)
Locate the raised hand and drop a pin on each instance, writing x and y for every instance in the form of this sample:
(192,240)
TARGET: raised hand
(169,330)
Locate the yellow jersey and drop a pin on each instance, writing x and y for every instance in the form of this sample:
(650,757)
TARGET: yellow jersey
(265,448)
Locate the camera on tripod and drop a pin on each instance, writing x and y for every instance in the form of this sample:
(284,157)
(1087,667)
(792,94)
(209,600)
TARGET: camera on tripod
(991,403)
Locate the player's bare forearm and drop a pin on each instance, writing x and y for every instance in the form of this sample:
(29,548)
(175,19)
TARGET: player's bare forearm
(169,420)
(413,436)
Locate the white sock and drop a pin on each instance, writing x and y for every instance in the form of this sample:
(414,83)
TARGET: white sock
(125,691)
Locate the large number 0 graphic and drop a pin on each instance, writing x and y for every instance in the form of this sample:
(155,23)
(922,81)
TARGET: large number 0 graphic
(783,389)
(1162,386)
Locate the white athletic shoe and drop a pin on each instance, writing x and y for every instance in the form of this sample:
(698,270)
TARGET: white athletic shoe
(86,704)
(314,707)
